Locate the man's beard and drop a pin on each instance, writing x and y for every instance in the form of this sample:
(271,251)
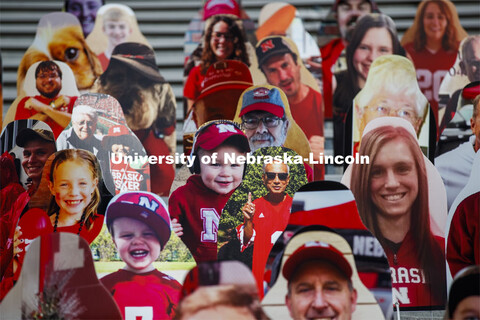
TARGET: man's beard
(49,95)
(272,142)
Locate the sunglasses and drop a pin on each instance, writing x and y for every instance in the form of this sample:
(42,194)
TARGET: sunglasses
(272,175)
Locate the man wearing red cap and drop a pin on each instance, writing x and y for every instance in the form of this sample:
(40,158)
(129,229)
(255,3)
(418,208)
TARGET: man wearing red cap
(319,283)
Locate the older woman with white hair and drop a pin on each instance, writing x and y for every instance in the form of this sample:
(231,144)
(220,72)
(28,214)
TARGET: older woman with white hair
(81,134)
(391,89)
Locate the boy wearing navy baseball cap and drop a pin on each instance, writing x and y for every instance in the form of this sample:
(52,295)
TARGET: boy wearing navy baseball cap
(140,227)
(196,207)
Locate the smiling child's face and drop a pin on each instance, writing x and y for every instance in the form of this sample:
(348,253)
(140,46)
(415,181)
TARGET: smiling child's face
(73,185)
(221,177)
(137,244)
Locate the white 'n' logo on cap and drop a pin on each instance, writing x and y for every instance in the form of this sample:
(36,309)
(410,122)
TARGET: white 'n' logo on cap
(153,205)
(116,129)
(225,127)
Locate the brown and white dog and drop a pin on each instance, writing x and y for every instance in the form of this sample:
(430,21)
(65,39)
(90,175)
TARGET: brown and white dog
(60,37)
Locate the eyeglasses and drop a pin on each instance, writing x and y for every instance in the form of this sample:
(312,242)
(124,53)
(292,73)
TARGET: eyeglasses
(384,111)
(273,175)
(269,122)
(219,35)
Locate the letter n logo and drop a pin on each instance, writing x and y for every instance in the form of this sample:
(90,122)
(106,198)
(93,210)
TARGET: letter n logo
(267,45)
(151,205)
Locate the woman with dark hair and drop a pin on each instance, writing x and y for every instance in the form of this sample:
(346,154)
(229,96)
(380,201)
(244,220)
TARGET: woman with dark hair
(432,42)
(224,39)
(392,199)
(374,35)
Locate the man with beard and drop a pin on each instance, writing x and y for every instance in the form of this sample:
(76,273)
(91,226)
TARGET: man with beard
(82,133)
(148,103)
(264,120)
(49,107)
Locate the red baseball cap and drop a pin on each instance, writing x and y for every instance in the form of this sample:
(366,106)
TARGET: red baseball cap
(212,134)
(144,206)
(213,7)
(316,250)
(263,99)
(225,75)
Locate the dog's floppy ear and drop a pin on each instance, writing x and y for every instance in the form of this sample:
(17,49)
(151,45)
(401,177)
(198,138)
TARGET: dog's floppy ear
(92,59)
(29,58)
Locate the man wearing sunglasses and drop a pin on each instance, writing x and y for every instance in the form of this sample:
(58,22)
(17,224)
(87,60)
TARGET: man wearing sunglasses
(266,218)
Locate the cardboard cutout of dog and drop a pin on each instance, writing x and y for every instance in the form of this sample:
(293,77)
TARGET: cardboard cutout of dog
(60,37)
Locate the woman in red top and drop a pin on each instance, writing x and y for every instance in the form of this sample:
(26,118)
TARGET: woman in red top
(392,199)
(432,43)
(224,39)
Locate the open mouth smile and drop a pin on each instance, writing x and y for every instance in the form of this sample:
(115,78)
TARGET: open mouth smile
(139,254)
(394,197)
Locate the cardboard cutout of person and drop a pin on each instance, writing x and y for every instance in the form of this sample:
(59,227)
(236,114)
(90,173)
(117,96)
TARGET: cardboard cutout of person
(49,94)
(294,138)
(280,63)
(374,35)
(98,125)
(432,43)
(194,34)
(465,71)
(258,211)
(73,177)
(332,38)
(85,11)
(224,39)
(60,37)
(220,289)
(27,148)
(59,280)
(391,89)
(462,236)
(115,24)
(331,204)
(319,253)
(148,103)
(223,85)
(401,200)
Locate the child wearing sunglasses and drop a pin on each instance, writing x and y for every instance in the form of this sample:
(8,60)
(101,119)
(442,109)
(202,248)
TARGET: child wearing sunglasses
(196,207)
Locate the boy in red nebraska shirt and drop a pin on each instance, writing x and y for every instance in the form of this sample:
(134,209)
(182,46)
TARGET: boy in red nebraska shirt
(140,227)
(196,207)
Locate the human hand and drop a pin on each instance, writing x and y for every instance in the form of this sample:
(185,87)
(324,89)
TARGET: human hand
(248,209)
(17,241)
(317,146)
(36,105)
(177,227)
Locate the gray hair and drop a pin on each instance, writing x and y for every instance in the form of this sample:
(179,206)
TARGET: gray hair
(84,109)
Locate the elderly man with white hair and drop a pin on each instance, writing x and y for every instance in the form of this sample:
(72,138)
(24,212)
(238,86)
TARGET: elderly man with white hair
(81,135)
